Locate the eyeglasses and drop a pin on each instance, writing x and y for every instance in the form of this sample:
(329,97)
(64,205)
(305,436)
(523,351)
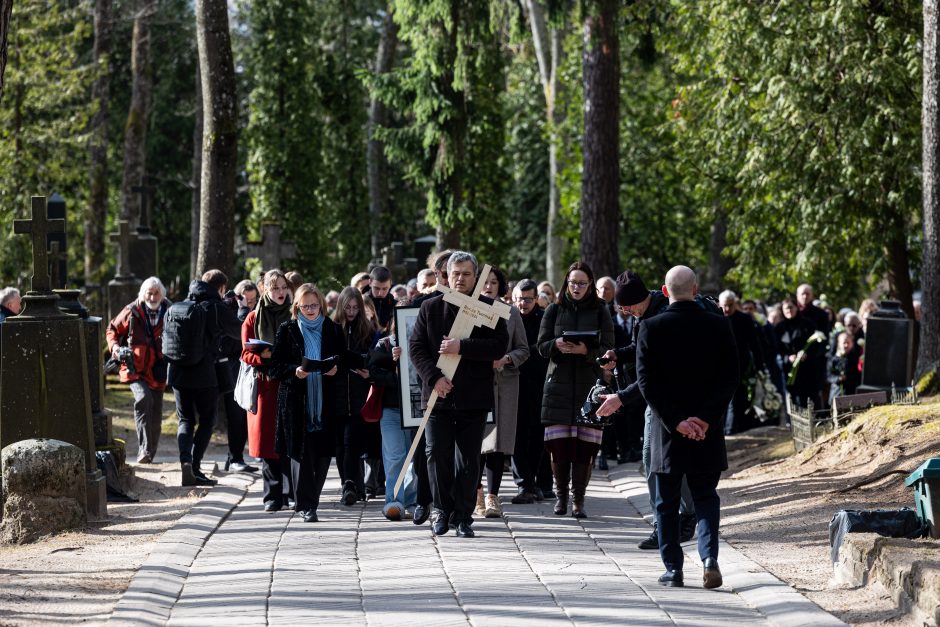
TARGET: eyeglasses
(579,284)
(312,307)
(525,300)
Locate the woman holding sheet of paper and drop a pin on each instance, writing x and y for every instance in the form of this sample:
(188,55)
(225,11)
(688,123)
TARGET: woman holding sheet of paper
(261,325)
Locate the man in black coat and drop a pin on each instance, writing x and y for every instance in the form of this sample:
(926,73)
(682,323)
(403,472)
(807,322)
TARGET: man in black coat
(459,416)
(196,386)
(687,369)
(530,433)
(750,360)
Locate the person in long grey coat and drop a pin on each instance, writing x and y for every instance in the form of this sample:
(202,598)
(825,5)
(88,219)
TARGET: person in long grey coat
(499,438)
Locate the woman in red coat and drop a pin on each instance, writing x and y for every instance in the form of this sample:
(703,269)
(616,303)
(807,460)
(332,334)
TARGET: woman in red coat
(262,324)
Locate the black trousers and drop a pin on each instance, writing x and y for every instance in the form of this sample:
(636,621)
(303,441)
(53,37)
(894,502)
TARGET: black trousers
(236,420)
(272,475)
(707,507)
(420,462)
(530,444)
(309,475)
(350,445)
(195,409)
(454,439)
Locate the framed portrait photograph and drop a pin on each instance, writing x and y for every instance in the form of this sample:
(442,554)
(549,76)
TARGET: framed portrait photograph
(408,383)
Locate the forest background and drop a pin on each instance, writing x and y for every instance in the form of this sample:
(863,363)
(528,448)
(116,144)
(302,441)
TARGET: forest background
(762,143)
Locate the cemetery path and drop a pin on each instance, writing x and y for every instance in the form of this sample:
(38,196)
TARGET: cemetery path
(230,560)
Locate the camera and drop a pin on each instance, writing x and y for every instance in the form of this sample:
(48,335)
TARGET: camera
(593,401)
(603,361)
(126,357)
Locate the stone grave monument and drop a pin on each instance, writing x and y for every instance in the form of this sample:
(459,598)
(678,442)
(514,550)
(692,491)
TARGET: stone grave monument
(271,250)
(889,349)
(58,269)
(143,250)
(123,288)
(393,257)
(44,384)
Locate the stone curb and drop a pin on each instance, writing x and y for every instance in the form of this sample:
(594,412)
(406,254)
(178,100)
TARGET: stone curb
(780,603)
(156,586)
(906,570)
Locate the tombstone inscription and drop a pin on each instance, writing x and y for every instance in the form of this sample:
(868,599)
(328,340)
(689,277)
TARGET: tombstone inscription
(44,386)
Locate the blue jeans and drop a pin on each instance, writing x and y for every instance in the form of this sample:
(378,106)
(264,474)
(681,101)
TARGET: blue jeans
(395,444)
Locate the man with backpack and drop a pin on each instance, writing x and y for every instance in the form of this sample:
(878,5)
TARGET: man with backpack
(192,334)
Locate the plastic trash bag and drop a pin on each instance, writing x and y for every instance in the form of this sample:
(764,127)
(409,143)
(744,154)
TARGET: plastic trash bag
(891,523)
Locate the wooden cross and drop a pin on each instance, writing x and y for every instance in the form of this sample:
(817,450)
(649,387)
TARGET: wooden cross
(473,313)
(270,250)
(146,194)
(39,228)
(123,239)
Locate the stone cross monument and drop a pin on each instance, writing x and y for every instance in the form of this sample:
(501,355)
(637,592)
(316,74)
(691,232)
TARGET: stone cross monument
(123,288)
(143,252)
(270,250)
(44,385)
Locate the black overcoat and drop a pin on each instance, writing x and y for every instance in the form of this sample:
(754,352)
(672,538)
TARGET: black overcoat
(473,381)
(570,377)
(286,356)
(687,365)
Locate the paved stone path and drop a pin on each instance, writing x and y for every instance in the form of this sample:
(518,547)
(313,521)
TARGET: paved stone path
(230,561)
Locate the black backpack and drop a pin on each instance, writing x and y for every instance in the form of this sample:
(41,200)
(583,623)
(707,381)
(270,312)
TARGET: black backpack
(185,339)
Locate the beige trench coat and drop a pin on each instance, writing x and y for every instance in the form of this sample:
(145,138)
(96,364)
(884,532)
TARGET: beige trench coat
(501,436)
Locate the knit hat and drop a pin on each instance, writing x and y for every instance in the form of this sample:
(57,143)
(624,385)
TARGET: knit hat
(630,289)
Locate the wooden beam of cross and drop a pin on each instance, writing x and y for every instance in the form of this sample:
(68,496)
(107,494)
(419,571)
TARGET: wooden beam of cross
(473,313)
(270,250)
(38,227)
(123,239)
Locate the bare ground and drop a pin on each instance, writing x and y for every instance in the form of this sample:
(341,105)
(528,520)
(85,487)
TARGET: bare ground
(776,506)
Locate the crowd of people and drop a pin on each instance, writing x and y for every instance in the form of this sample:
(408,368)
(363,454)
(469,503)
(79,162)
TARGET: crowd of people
(323,374)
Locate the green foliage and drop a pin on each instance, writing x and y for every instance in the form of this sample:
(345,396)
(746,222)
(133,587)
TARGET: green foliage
(306,132)
(800,121)
(43,118)
(450,137)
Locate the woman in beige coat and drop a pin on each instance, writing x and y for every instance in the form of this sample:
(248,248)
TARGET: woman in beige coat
(499,438)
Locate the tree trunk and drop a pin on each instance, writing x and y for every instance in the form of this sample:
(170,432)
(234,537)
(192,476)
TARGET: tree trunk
(899,271)
(197,174)
(718,263)
(600,182)
(929,355)
(548,43)
(220,138)
(135,131)
(6,9)
(378,116)
(97,214)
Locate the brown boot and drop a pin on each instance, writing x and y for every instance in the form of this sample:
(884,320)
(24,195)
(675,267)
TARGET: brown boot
(580,477)
(562,472)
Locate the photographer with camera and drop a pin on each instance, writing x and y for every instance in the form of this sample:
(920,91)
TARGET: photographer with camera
(135,340)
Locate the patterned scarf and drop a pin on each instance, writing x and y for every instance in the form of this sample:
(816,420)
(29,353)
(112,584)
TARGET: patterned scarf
(312,331)
(269,316)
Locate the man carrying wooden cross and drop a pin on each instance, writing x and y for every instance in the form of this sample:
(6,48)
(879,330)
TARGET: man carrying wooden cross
(457,418)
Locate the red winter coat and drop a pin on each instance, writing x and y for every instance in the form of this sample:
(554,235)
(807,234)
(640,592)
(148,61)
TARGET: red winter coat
(262,426)
(147,347)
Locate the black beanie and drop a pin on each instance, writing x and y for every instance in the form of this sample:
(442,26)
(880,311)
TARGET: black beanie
(630,289)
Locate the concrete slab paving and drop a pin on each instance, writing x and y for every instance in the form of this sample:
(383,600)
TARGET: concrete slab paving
(229,560)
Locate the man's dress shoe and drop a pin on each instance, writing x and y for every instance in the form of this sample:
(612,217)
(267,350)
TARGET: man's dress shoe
(712,575)
(671,578)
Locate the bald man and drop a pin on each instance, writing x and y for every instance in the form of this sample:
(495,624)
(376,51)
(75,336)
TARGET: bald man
(687,370)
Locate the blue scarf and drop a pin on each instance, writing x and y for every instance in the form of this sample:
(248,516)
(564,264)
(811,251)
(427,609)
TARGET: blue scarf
(312,331)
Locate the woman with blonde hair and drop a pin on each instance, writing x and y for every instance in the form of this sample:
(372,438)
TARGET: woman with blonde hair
(272,310)
(307,355)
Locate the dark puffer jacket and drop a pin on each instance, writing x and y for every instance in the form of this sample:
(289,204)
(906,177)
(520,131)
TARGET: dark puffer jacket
(570,377)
